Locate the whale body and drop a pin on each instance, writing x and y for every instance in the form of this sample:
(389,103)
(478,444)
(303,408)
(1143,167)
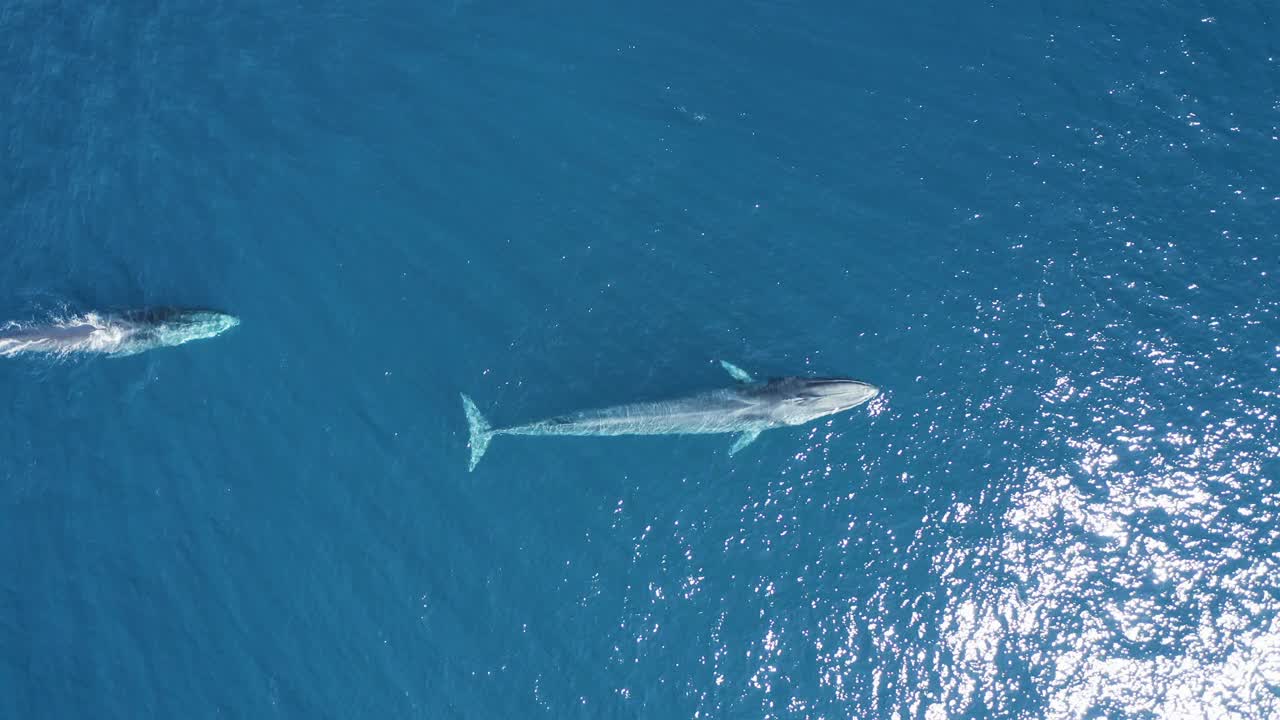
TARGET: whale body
(113,334)
(746,409)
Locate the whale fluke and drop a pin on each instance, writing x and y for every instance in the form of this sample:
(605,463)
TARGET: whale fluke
(481,432)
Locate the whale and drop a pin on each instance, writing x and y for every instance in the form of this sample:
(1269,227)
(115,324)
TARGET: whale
(113,334)
(746,409)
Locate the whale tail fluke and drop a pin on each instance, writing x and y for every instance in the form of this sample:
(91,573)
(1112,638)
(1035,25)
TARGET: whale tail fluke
(481,432)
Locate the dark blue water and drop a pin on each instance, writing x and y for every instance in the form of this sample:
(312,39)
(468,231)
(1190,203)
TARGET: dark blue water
(1049,233)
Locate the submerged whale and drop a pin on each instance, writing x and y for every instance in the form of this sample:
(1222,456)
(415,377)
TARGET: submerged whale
(746,409)
(114,334)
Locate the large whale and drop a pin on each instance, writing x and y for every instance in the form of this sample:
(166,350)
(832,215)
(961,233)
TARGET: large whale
(746,409)
(113,334)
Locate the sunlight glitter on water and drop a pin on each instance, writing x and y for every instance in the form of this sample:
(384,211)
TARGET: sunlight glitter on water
(1136,580)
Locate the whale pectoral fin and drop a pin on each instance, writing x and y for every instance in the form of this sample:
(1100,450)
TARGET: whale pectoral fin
(746,438)
(738,373)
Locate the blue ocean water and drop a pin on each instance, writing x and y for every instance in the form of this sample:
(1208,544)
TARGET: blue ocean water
(1049,234)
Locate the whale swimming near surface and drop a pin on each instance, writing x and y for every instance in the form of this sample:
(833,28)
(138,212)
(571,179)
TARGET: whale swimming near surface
(113,334)
(746,409)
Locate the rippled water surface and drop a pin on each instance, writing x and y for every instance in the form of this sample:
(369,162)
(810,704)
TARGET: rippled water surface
(1048,233)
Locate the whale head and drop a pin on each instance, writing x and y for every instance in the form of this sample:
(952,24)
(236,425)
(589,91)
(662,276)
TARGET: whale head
(797,401)
(187,325)
(204,321)
(170,327)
